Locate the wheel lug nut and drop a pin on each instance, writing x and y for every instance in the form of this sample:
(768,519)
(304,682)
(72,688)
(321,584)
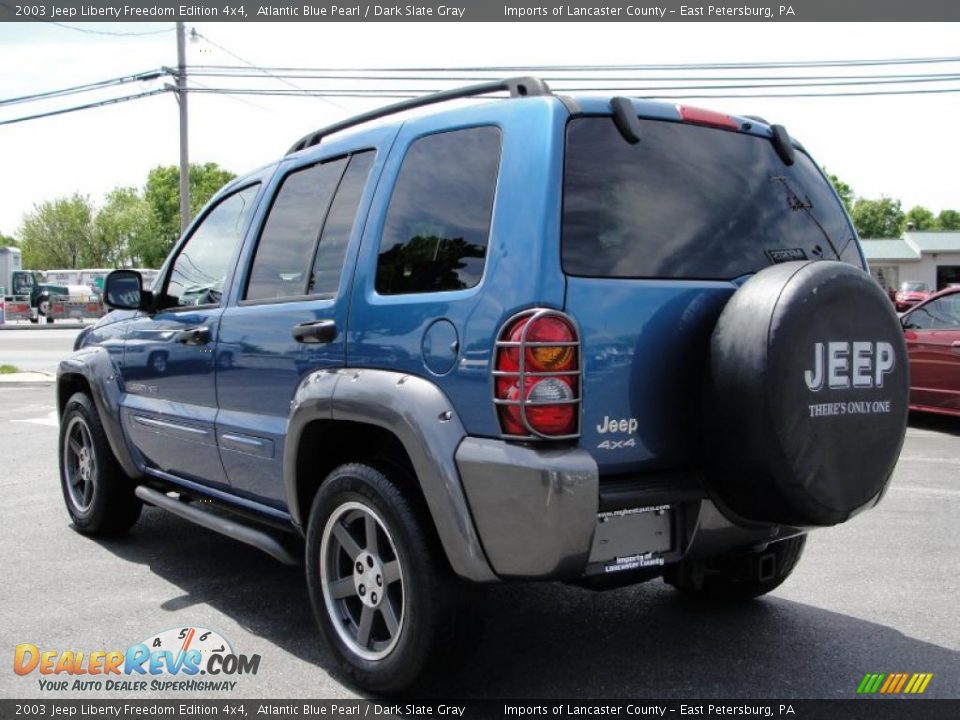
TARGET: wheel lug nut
(359,568)
(369,561)
(379,580)
(373,597)
(363,590)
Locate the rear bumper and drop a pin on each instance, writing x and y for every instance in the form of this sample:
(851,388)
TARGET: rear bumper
(536,513)
(535,509)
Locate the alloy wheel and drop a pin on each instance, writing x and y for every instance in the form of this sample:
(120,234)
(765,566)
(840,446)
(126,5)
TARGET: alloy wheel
(362,580)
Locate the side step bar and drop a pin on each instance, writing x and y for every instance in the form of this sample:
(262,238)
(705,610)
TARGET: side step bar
(238,531)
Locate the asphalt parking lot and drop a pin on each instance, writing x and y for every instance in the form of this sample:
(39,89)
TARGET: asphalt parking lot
(878,594)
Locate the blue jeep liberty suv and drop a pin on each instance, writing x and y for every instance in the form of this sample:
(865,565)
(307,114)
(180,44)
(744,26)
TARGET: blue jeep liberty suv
(596,340)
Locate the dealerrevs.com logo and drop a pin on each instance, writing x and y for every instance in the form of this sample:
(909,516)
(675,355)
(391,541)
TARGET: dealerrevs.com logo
(190,659)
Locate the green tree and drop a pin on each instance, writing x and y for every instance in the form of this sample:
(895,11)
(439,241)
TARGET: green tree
(949,220)
(922,218)
(8,241)
(123,229)
(883,218)
(843,190)
(162,193)
(58,234)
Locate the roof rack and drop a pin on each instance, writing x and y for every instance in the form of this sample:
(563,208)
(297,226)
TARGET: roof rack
(517,87)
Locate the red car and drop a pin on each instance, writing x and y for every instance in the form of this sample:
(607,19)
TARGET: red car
(910,294)
(932,332)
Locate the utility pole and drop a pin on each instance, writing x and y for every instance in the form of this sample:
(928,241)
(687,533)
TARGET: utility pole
(184,153)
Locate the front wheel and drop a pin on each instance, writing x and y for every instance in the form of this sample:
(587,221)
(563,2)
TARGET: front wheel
(380,590)
(98,495)
(738,576)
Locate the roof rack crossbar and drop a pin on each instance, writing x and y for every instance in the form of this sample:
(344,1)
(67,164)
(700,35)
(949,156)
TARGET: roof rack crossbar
(517,87)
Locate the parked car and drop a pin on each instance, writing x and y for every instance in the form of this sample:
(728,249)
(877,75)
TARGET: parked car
(593,340)
(910,293)
(932,332)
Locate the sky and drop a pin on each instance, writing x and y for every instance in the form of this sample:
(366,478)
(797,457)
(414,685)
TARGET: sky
(899,146)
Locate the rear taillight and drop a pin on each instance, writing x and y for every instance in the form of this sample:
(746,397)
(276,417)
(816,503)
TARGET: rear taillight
(537,376)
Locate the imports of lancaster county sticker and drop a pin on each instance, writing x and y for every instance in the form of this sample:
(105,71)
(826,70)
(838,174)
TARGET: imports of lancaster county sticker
(188,659)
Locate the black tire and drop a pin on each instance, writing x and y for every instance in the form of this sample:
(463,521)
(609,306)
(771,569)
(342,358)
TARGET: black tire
(98,494)
(739,576)
(430,600)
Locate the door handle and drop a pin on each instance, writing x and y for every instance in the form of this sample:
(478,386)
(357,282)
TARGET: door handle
(193,336)
(322,331)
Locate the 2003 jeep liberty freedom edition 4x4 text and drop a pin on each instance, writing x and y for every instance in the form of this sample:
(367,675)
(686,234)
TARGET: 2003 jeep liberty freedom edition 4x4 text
(597,340)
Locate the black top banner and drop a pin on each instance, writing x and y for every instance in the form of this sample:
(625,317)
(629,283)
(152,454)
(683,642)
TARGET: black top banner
(484,11)
(139,709)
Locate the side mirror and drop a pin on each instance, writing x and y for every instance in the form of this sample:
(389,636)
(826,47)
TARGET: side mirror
(123,290)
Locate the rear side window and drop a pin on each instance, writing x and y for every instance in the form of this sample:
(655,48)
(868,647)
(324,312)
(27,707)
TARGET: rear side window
(438,223)
(691,202)
(285,251)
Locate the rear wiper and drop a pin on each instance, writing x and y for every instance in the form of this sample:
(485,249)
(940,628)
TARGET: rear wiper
(798,203)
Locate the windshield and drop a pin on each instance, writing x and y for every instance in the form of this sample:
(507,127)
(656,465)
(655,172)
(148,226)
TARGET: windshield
(914,287)
(692,202)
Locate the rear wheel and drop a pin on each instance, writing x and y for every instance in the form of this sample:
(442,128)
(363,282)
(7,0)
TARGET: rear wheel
(98,495)
(738,576)
(380,590)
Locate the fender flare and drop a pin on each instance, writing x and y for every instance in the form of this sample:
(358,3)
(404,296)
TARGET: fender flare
(419,414)
(95,366)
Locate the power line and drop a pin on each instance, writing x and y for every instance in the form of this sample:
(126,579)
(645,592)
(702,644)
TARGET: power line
(88,31)
(647,96)
(589,68)
(88,106)
(200,71)
(195,33)
(360,92)
(98,85)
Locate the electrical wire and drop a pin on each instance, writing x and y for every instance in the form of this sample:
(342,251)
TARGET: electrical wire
(645,95)
(98,85)
(590,68)
(195,33)
(625,88)
(88,106)
(200,72)
(108,32)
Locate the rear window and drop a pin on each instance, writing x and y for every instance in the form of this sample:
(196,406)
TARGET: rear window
(691,202)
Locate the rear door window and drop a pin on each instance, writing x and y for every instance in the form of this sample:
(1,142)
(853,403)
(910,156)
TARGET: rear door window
(437,226)
(328,263)
(691,202)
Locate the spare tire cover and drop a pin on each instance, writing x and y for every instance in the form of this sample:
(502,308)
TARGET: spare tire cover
(806,395)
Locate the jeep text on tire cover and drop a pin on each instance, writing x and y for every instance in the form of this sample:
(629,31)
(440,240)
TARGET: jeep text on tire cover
(591,340)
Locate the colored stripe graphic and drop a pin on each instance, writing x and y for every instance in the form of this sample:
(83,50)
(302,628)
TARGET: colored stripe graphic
(894,683)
